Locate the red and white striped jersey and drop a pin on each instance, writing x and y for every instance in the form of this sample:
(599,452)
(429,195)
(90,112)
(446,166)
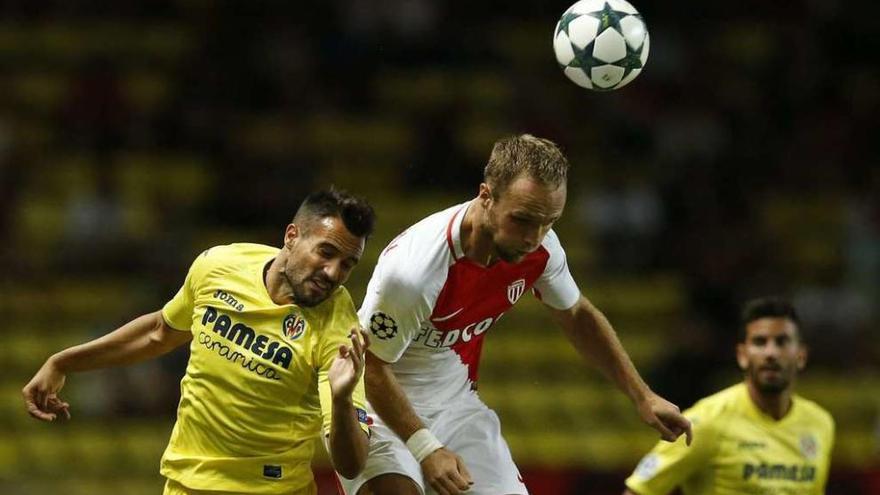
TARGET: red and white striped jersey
(428,307)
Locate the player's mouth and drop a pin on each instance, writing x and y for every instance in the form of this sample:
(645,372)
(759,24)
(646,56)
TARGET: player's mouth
(321,285)
(771,370)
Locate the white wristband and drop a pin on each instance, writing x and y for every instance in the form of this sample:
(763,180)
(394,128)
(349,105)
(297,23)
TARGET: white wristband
(422,443)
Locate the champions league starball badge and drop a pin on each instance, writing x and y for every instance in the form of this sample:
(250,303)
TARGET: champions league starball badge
(382,325)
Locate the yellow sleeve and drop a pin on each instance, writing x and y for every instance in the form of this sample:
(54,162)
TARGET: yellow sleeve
(826,456)
(669,464)
(178,312)
(344,318)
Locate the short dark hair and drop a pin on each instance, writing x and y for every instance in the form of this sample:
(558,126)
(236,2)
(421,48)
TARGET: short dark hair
(767,307)
(534,157)
(356,214)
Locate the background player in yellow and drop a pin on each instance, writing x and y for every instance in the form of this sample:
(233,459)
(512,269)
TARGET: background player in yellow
(275,351)
(756,437)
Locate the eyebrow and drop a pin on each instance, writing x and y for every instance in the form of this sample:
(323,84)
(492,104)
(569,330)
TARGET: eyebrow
(532,216)
(356,259)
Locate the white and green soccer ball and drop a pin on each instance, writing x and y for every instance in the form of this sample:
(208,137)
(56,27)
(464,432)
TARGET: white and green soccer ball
(601,44)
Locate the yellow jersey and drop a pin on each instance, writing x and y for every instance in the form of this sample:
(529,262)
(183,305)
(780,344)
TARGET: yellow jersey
(739,450)
(255,395)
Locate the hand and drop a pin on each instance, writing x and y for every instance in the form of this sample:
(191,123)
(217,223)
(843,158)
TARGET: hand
(665,417)
(40,394)
(348,366)
(446,473)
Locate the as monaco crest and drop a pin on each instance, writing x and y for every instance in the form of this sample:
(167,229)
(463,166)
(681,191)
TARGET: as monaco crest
(515,290)
(293,326)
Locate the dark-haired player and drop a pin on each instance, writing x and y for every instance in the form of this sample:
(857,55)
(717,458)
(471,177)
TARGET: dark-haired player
(275,355)
(756,436)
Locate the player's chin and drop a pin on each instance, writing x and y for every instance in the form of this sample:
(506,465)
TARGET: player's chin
(313,296)
(772,385)
(512,256)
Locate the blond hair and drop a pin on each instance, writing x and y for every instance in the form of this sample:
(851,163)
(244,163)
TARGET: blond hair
(514,156)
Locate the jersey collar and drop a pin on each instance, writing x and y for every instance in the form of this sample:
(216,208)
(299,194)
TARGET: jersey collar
(453,232)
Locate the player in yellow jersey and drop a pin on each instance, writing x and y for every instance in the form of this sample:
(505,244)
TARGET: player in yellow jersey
(756,437)
(276,356)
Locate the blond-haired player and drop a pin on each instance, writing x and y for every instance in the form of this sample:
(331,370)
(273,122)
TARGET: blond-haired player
(436,291)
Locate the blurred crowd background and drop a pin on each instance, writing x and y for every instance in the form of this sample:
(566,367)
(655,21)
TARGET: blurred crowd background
(742,162)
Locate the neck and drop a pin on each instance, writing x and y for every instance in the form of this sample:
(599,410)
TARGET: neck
(476,241)
(775,405)
(275,281)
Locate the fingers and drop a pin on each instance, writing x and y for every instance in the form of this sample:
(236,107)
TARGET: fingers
(366,338)
(32,402)
(356,343)
(363,338)
(676,423)
(465,474)
(450,476)
(36,413)
(665,433)
(689,434)
(42,398)
(57,406)
(448,486)
(681,425)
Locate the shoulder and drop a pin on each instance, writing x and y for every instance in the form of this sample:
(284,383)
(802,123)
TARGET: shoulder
(419,253)
(340,302)
(715,409)
(551,240)
(235,253)
(814,413)
(337,312)
(224,259)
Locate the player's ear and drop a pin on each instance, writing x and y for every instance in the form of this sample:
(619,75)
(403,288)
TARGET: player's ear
(802,357)
(290,235)
(741,358)
(485,194)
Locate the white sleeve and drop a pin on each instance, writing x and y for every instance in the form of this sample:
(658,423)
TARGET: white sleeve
(393,309)
(556,287)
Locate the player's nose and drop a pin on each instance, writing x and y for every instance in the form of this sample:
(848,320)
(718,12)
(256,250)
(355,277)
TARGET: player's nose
(333,271)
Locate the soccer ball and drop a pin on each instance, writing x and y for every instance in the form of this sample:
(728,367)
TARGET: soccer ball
(601,44)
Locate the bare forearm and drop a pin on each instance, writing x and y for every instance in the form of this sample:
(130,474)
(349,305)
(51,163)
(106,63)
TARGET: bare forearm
(348,442)
(389,400)
(143,338)
(595,339)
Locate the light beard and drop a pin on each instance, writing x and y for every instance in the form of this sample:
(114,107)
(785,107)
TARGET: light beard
(507,256)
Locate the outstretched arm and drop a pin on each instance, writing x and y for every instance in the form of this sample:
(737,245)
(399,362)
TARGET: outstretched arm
(138,340)
(348,443)
(594,338)
(443,469)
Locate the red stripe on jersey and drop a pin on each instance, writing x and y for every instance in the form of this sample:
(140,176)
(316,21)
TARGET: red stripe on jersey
(474,297)
(449,234)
